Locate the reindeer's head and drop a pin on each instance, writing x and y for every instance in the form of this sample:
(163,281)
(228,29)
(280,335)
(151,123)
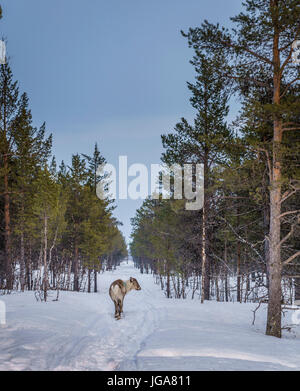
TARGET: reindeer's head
(135,285)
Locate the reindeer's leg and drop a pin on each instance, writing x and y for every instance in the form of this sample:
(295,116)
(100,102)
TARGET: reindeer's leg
(116,309)
(121,306)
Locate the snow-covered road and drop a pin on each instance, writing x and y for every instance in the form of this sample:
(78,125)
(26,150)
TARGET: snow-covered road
(79,332)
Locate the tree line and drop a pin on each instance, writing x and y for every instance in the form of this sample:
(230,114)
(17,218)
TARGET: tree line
(244,242)
(55,233)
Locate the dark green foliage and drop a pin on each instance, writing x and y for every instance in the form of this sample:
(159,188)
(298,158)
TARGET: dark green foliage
(56,229)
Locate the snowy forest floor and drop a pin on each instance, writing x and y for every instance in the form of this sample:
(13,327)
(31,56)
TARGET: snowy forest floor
(79,332)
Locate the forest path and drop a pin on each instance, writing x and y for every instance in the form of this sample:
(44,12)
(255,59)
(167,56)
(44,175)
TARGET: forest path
(79,332)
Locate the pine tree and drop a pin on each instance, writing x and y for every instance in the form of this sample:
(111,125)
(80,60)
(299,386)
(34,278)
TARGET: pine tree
(93,179)
(8,111)
(205,141)
(94,162)
(75,213)
(31,151)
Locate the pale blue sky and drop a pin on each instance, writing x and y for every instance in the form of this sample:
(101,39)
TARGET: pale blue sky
(111,71)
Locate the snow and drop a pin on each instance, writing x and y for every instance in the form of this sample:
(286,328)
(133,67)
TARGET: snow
(79,332)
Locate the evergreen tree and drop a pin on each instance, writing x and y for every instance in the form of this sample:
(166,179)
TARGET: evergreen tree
(76,213)
(93,179)
(94,162)
(31,151)
(205,141)
(9,95)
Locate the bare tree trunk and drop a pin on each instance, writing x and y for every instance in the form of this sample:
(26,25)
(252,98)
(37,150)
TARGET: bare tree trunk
(217,288)
(95,280)
(76,277)
(183,287)
(266,243)
(161,282)
(225,271)
(89,279)
(203,269)
(168,282)
(8,263)
(28,266)
(238,270)
(275,268)
(45,278)
(22,263)
(69,276)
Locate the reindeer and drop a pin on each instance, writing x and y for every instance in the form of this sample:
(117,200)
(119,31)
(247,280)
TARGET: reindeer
(118,290)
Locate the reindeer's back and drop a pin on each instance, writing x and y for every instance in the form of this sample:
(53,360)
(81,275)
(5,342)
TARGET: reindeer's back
(117,290)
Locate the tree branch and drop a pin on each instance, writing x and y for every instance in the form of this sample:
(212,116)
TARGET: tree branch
(243,240)
(288,129)
(288,85)
(288,195)
(288,235)
(290,259)
(256,55)
(288,213)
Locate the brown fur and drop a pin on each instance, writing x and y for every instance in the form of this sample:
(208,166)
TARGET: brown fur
(117,291)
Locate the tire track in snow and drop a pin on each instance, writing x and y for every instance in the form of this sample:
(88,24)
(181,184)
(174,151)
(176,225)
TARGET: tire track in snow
(154,312)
